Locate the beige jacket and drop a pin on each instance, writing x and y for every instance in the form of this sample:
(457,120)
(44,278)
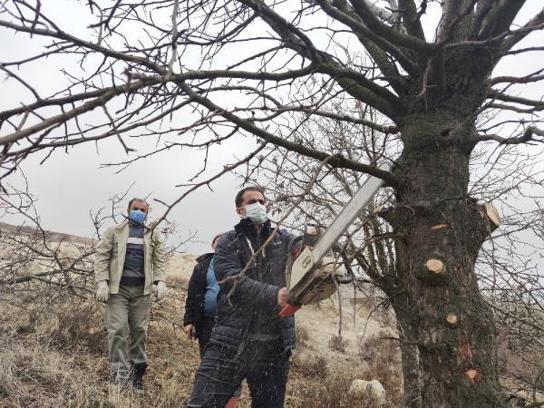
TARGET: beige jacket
(110,257)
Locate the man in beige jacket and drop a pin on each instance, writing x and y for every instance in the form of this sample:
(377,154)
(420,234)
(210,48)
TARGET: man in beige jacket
(129,260)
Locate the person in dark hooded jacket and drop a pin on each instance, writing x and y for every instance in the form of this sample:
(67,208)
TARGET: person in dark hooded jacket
(201,302)
(249,340)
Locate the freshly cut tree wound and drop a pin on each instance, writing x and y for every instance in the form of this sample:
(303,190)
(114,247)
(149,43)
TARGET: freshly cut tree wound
(452,319)
(435,265)
(439,226)
(492,214)
(473,375)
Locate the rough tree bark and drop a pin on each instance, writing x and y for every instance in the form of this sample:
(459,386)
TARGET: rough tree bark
(436,294)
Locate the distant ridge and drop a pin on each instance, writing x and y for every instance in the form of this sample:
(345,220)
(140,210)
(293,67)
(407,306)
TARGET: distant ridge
(53,236)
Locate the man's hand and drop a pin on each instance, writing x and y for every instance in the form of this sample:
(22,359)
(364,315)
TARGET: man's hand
(283,294)
(160,290)
(189,330)
(102,291)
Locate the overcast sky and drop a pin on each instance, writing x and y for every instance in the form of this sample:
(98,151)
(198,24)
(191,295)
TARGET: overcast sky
(68,186)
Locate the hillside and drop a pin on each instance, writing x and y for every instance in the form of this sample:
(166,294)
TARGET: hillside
(53,343)
(51,236)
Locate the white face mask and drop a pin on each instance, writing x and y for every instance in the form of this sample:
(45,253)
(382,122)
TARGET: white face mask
(256,212)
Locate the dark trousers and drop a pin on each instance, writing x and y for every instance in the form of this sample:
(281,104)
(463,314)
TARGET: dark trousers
(204,333)
(222,369)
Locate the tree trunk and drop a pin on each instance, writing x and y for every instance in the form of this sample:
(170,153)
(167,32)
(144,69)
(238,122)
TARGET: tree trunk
(436,293)
(411,371)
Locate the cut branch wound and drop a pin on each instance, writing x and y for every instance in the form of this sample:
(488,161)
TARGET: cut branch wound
(435,266)
(493,214)
(452,319)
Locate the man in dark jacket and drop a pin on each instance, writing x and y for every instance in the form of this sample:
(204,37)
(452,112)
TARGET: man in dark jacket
(201,302)
(249,341)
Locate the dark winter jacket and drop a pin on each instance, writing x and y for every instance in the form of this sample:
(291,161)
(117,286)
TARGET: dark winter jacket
(250,303)
(194,305)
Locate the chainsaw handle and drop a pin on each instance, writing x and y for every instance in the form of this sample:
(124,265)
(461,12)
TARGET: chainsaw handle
(288,310)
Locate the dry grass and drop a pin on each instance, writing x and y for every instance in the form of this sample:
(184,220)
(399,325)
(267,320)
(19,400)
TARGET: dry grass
(42,377)
(322,392)
(59,358)
(53,353)
(310,365)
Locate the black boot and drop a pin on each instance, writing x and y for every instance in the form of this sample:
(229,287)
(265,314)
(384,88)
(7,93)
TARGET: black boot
(138,371)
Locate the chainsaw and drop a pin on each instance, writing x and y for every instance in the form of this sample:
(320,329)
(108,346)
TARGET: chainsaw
(313,273)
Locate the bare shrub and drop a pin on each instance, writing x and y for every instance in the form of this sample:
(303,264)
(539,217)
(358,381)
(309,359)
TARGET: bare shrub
(369,348)
(53,345)
(331,392)
(520,334)
(78,324)
(310,365)
(338,343)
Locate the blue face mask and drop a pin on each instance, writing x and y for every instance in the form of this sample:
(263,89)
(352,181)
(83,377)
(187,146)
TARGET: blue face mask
(137,216)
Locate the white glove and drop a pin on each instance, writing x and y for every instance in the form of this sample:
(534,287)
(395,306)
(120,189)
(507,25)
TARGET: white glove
(160,290)
(102,291)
